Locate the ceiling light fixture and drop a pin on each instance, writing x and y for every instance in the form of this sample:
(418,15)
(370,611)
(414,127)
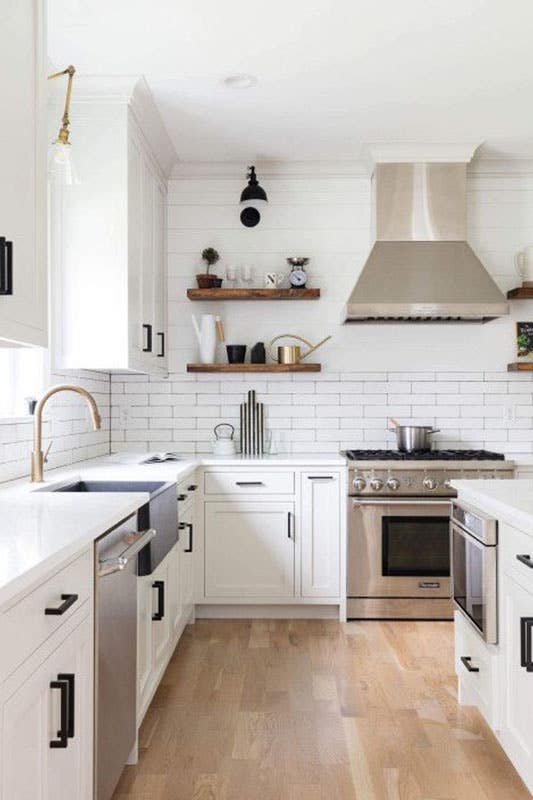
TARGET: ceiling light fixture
(253,199)
(240,81)
(60,166)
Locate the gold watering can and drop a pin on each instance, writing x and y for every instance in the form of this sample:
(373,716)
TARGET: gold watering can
(292,353)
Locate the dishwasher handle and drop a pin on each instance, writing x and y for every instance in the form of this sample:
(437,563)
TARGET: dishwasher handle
(108,566)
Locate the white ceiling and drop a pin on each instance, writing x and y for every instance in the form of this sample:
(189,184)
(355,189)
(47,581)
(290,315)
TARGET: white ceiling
(332,74)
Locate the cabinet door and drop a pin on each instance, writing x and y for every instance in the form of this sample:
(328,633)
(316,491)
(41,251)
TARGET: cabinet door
(31,769)
(517,684)
(249,550)
(159,277)
(187,564)
(320,534)
(160,613)
(136,332)
(22,170)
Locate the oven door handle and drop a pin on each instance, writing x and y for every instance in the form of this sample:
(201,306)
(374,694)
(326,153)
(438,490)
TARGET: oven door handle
(381,501)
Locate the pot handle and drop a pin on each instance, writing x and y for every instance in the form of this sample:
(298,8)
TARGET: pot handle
(224,425)
(434,430)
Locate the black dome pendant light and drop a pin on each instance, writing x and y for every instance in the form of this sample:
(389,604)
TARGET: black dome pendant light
(253,197)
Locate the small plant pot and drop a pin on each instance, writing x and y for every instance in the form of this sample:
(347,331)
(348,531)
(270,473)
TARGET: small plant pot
(206,281)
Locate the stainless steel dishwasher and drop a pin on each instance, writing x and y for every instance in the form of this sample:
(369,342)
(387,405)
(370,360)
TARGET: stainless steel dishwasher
(116,651)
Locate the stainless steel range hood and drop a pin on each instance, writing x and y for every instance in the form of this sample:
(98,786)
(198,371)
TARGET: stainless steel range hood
(421,268)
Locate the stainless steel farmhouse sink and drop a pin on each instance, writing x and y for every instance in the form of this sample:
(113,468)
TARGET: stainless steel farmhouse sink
(160,513)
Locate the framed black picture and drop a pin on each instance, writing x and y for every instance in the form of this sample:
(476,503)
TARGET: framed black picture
(524,339)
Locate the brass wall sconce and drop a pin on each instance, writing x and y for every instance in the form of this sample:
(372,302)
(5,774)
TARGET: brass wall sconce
(60,163)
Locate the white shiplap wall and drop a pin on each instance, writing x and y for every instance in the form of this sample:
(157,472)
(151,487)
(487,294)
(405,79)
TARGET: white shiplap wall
(453,376)
(66,421)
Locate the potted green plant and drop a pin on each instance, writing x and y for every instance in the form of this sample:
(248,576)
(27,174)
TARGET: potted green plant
(205,279)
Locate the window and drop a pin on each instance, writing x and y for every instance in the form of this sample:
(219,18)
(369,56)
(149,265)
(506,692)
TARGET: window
(22,375)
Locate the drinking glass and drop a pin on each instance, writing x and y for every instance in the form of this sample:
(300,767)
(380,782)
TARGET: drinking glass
(231,276)
(247,274)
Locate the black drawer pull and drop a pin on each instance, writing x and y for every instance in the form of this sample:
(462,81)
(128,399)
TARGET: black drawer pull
(160,613)
(320,477)
(6,266)
(62,734)
(249,483)
(192,488)
(68,601)
(525,559)
(161,353)
(182,497)
(69,678)
(190,527)
(148,329)
(466,662)
(526,657)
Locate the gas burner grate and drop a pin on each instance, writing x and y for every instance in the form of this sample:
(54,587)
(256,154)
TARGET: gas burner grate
(423,455)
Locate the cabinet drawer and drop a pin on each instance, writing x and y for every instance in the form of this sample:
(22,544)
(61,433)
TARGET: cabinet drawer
(25,625)
(249,482)
(513,543)
(186,492)
(475,666)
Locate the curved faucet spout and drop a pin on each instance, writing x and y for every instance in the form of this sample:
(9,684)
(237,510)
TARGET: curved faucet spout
(37,456)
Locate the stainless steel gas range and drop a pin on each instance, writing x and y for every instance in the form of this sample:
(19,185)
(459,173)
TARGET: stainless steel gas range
(398,529)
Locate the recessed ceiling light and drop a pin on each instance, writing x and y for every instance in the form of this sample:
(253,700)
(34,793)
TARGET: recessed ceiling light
(240,81)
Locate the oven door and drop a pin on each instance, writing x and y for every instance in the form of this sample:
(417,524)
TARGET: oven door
(474,572)
(399,548)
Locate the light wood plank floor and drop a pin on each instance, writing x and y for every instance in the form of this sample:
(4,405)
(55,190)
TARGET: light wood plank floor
(312,710)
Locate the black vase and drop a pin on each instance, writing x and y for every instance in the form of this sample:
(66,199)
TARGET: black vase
(258,354)
(236,353)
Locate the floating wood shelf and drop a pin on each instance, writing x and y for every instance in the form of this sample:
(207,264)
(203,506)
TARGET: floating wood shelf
(254,367)
(521,293)
(253,294)
(520,366)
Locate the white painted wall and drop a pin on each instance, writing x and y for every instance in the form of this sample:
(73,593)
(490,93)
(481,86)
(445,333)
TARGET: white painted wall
(446,374)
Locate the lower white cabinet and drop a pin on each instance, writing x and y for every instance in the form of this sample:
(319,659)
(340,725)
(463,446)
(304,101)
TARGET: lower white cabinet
(516,732)
(45,757)
(185,563)
(320,524)
(249,549)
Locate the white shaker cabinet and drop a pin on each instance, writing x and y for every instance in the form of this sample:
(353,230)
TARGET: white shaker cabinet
(32,699)
(109,233)
(249,549)
(321,516)
(153,628)
(516,731)
(23,148)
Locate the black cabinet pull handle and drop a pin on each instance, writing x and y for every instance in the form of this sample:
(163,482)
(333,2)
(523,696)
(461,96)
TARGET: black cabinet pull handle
(525,559)
(148,329)
(161,353)
(320,477)
(249,483)
(192,488)
(70,679)
(526,658)
(289,515)
(68,601)
(160,613)
(466,662)
(182,497)
(190,527)
(6,266)
(62,734)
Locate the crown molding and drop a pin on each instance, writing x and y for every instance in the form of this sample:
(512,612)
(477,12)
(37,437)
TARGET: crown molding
(417,152)
(236,170)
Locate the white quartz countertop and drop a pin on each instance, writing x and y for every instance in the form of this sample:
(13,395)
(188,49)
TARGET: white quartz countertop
(40,530)
(509,501)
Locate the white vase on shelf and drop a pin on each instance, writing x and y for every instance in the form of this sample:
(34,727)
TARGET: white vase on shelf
(206,333)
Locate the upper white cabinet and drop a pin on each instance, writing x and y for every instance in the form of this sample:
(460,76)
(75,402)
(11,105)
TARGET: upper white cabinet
(108,245)
(23,317)
(321,512)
